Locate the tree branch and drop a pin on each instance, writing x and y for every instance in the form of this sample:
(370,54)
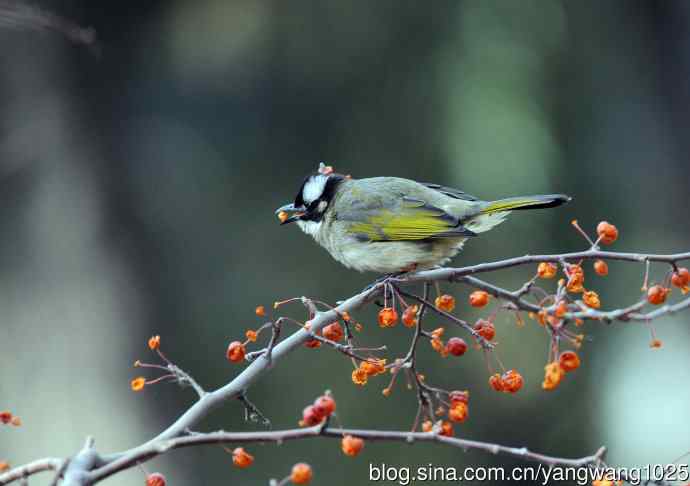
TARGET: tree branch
(221,437)
(88,467)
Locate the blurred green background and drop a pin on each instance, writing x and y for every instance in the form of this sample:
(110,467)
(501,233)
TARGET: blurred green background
(137,192)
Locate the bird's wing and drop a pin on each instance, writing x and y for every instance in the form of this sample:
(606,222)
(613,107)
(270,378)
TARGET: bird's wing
(450,192)
(401,219)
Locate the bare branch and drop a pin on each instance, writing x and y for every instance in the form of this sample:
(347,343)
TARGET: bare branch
(87,467)
(156,448)
(40,465)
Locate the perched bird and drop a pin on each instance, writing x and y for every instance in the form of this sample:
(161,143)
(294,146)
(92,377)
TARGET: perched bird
(391,225)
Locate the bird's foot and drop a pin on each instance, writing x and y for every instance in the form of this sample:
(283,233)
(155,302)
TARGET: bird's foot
(387,278)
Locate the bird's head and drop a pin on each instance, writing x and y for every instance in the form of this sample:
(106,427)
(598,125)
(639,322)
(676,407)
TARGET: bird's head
(313,198)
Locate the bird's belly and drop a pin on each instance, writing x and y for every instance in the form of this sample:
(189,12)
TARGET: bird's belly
(396,256)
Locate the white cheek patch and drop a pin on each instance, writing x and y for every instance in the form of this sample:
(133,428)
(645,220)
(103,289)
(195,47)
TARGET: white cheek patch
(322,206)
(313,188)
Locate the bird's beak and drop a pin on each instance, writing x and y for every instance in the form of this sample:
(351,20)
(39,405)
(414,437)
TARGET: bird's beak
(289,213)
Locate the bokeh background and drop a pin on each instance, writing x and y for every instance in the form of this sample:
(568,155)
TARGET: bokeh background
(137,190)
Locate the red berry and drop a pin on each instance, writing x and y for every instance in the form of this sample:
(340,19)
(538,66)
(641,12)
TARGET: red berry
(242,458)
(333,331)
(311,416)
(351,446)
(445,302)
(155,479)
(479,298)
(657,294)
(456,346)
(485,329)
(457,396)
(458,412)
(512,381)
(235,352)
(569,361)
(607,232)
(681,278)
(409,317)
(324,405)
(301,473)
(388,317)
(601,268)
(496,382)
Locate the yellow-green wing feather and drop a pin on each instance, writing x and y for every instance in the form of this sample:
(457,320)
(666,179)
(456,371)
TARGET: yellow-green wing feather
(411,220)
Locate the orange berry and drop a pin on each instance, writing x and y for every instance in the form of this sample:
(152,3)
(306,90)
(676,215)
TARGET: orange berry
(655,343)
(260,311)
(4,466)
(445,302)
(351,445)
(427,426)
(360,377)
(607,232)
(591,299)
(447,429)
(16,421)
(553,374)
(576,278)
(154,342)
(155,479)
(301,473)
(324,405)
(485,329)
(313,343)
(373,367)
(311,416)
(333,331)
(251,335)
(561,308)
(569,361)
(657,294)
(5,417)
(601,268)
(236,352)
(388,317)
(438,332)
(458,412)
(681,279)
(242,458)
(456,346)
(409,317)
(496,382)
(479,298)
(437,345)
(457,396)
(138,383)
(575,285)
(547,270)
(574,271)
(512,381)
(283,216)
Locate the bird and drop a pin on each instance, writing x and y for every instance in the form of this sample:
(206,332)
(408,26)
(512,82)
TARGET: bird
(392,225)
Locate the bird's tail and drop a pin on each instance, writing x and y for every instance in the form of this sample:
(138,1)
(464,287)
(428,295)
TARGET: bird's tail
(493,213)
(525,202)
